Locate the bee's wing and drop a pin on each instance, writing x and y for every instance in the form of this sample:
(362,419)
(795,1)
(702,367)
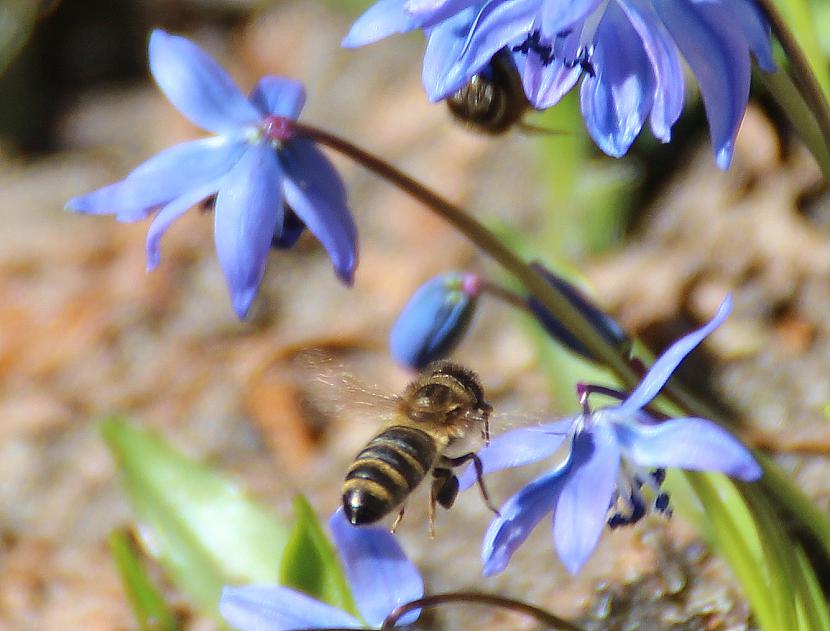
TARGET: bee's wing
(341,391)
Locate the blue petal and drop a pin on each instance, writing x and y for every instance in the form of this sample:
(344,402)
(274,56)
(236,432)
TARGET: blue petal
(659,373)
(440,74)
(583,502)
(198,86)
(617,100)
(272,608)
(497,25)
(433,322)
(687,443)
(169,213)
(248,210)
(519,516)
(749,18)
(431,12)
(718,54)
(517,448)
(161,179)
(665,62)
(380,575)
(315,192)
(384,18)
(561,15)
(278,96)
(546,83)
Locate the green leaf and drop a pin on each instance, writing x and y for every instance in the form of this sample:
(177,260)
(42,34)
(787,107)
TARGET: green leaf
(199,526)
(150,609)
(310,562)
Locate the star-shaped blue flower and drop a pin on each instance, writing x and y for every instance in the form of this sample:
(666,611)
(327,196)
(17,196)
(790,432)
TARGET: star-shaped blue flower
(615,453)
(628,52)
(378,572)
(255,176)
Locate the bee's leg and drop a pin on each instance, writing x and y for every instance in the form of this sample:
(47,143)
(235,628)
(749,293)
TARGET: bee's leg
(443,490)
(398,519)
(460,460)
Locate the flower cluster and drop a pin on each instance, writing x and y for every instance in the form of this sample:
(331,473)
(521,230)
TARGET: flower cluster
(267,190)
(379,574)
(626,51)
(614,466)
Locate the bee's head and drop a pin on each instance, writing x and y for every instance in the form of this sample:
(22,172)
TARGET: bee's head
(447,392)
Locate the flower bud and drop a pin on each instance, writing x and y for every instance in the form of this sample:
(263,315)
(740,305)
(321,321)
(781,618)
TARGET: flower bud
(601,321)
(434,320)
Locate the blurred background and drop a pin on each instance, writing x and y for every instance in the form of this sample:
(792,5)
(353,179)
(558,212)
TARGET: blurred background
(660,238)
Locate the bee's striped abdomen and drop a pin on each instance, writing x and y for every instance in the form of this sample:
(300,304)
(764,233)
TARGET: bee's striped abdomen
(386,471)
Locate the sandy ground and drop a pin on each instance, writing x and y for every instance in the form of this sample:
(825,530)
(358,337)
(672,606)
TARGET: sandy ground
(85,332)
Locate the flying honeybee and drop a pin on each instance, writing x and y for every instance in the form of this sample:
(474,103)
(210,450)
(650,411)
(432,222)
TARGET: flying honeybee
(437,410)
(493,100)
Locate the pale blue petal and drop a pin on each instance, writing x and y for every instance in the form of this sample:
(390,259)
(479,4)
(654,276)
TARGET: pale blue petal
(278,96)
(198,86)
(518,448)
(756,30)
(616,102)
(273,608)
(441,74)
(561,15)
(431,12)
(718,54)
(498,24)
(546,83)
(161,179)
(378,572)
(687,443)
(315,192)
(659,373)
(248,210)
(665,63)
(172,211)
(519,516)
(382,19)
(583,502)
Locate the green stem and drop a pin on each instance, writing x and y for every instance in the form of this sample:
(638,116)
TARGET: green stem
(800,116)
(802,73)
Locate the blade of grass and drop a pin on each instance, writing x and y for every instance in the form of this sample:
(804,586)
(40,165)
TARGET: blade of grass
(150,608)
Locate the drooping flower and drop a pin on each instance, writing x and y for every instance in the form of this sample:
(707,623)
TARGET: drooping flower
(617,458)
(253,175)
(434,320)
(628,52)
(601,321)
(379,574)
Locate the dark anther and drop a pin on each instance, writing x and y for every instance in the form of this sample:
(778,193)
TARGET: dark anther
(638,509)
(662,502)
(533,43)
(616,521)
(583,60)
(659,476)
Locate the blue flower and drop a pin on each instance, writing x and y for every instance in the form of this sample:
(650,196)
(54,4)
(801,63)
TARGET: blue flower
(628,52)
(434,320)
(616,459)
(378,572)
(254,175)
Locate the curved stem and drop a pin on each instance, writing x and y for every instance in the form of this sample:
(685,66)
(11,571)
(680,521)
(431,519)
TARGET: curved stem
(505,295)
(548,295)
(490,600)
(800,69)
